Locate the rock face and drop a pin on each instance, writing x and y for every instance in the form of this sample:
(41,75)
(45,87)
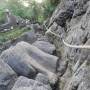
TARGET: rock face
(40,83)
(71,22)
(25,59)
(7,76)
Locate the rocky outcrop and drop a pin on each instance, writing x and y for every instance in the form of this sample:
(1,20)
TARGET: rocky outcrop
(68,30)
(25,59)
(70,23)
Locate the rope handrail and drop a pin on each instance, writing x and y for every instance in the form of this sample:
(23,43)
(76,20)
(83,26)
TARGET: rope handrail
(67,44)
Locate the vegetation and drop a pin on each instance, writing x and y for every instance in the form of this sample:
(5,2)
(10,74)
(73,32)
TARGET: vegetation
(33,11)
(10,35)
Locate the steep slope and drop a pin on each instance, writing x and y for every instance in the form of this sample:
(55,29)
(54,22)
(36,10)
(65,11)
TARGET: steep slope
(71,23)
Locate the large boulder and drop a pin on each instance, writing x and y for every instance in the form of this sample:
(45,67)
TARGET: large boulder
(23,57)
(45,46)
(18,61)
(7,76)
(40,83)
